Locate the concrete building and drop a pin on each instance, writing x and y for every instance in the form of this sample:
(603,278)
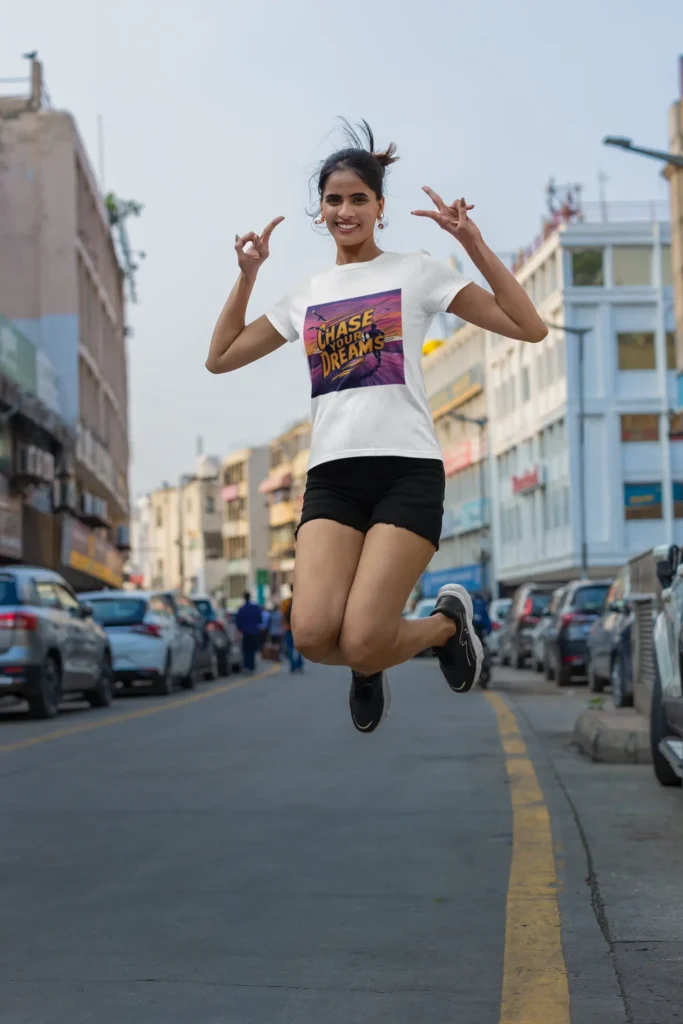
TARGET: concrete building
(61,294)
(455,378)
(675,177)
(285,485)
(245,523)
(609,273)
(184,532)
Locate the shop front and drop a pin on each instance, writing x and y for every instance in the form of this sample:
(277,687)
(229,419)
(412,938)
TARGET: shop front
(88,560)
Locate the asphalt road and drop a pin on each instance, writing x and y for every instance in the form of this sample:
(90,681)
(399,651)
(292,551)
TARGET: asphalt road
(242,855)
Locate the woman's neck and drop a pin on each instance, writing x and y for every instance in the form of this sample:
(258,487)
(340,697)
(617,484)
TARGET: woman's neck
(363,253)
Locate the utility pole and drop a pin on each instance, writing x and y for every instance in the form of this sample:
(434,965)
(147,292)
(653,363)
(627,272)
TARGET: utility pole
(580,333)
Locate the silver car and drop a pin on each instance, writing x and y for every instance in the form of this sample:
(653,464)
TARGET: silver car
(50,647)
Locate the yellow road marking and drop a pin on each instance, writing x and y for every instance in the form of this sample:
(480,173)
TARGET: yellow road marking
(131,715)
(535,985)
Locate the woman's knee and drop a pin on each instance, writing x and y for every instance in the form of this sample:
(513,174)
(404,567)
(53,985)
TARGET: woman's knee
(315,640)
(364,646)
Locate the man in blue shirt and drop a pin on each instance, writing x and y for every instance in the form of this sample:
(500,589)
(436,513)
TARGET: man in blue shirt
(248,621)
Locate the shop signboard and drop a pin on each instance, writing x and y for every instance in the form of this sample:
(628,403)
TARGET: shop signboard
(528,481)
(460,390)
(90,553)
(468,576)
(11,537)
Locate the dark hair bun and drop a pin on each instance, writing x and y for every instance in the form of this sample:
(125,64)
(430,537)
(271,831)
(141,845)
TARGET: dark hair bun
(387,156)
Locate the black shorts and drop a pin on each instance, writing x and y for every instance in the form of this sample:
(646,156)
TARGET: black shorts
(360,492)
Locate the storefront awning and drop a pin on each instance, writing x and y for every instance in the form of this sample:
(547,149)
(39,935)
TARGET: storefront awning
(277,480)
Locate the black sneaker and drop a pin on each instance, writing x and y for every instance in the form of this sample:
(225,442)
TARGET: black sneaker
(461,657)
(369,700)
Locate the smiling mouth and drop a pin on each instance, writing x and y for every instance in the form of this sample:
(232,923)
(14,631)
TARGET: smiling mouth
(347,227)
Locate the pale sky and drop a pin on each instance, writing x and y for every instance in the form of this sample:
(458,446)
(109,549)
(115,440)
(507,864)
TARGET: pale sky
(215,114)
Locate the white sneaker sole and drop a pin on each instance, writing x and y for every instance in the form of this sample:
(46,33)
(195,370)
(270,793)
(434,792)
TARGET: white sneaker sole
(456,590)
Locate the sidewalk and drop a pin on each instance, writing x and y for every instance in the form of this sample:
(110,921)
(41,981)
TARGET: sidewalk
(613,735)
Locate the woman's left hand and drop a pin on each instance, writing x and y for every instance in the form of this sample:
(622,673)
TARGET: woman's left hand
(452,219)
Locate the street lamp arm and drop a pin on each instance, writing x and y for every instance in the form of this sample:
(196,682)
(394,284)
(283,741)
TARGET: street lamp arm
(656,154)
(579,331)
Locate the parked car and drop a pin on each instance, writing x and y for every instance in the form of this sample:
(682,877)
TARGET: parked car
(608,645)
(666,707)
(50,646)
(215,620)
(205,663)
(148,641)
(579,606)
(541,630)
(236,643)
(498,612)
(528,604)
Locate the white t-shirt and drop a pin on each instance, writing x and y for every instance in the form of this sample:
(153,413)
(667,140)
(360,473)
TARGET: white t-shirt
(363,327)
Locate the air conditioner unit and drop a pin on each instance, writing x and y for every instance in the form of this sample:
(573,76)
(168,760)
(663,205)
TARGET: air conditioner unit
(123,538)
(64,494)
(93,510)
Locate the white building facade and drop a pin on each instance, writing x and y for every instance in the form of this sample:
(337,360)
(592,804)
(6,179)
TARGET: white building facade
(245,523)
(620,490)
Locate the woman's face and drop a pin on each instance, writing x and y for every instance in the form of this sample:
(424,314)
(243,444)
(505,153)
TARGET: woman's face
(349,208)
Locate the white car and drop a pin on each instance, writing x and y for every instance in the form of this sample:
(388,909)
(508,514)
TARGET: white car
(498,612)
(147,640)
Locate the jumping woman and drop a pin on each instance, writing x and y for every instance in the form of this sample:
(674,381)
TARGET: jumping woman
(373,504)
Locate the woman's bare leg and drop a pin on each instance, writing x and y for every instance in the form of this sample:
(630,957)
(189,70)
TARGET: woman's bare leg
(373,634)
(327,555)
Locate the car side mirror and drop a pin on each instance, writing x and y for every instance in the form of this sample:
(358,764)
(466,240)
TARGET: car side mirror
(87,611)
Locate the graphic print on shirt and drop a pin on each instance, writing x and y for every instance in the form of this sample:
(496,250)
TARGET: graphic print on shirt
(355,343)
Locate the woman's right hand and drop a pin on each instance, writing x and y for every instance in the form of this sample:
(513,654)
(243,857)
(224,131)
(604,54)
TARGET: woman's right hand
(252,259)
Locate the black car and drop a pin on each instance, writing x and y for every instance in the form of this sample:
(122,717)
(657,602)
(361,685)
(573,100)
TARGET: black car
(666,708)
(580,606)
(217,626)
(528,604)
(609,656)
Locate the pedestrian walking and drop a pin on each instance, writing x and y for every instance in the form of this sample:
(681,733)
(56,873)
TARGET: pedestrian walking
(248,621)
(296,661)
(373,503)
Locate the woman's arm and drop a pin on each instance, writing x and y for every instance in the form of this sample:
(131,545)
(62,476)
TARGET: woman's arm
(232,343)
(509,311)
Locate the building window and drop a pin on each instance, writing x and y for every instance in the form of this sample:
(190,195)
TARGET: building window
(676,426)
(643,501)
(587,269)
(160,567)
(640,427)
(210,505)
(159,517)
(678,500)
(636,351)
(670,350)
(526,386)
(631,265)
(667,280)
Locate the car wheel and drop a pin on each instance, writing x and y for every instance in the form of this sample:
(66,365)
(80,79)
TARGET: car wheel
(620,698)
(189,681)
(595,683)
(45,704)
(164,685)
(660,730)
(520,660)
(223,664)
(103,694)
(563,675)
(212,671)
(549,674)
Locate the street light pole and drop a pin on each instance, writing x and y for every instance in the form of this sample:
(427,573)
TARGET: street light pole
(481,422)
(580,333)
(656,154)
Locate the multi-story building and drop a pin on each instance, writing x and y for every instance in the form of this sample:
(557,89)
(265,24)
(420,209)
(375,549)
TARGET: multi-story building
(586,456)
(184,533)
(285,485)
(245,523)
(455,375)
(675,177)
(61,292)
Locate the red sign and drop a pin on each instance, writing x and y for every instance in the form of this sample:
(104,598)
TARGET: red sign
(458,457)
(528,481)
(230,492)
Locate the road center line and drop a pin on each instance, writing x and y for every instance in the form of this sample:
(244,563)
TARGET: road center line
(106,720)
(535,984)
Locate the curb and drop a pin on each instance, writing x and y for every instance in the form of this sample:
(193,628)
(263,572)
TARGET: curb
(613,737)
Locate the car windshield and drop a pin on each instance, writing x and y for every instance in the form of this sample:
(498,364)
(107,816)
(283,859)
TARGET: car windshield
(590,599)
(500,609)
(8,591)
(539,602)
(118,611)
(205,609)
